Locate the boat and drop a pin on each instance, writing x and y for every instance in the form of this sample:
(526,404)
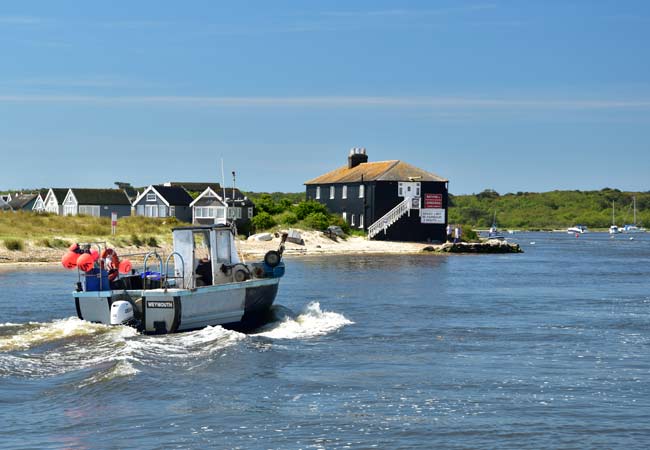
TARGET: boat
(579,229)
(633,227)
(210,285)
(614,229)
(493,232)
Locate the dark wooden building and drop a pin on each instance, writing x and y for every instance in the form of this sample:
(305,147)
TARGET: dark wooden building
(391,200)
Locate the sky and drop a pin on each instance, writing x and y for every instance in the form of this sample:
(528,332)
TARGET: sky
(507,95)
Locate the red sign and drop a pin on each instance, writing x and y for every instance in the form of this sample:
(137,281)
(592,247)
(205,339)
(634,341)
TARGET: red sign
(433,201)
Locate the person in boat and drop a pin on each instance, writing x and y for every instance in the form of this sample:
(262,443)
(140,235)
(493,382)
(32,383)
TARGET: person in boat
(204,272)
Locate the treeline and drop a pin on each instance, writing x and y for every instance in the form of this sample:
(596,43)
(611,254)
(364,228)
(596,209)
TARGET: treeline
(549,210)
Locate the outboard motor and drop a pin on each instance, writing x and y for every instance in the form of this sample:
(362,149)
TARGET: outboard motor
(121,312)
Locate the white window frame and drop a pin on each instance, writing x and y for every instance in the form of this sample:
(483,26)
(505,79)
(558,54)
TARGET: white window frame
(250,212)
(351,220)
(344,193)
(90,210)
(360,220)
(151,197)
(151,210)
(332,192)
(317,192)
(400,189)
(362,190)
(345,216)
(417,189)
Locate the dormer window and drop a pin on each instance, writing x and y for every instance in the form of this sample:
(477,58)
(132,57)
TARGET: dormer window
(151,197)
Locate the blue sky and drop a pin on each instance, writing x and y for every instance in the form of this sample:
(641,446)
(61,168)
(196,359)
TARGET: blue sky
(508,95)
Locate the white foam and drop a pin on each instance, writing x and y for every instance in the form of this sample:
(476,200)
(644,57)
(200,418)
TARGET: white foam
(310,323)
(35,333)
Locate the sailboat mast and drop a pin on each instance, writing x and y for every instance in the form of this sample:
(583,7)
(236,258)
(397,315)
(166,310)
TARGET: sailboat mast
(634,203)
(613,220)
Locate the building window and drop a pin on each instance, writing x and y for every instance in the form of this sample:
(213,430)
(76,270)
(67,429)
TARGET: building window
(151,197)
(351,220)
(344,193)
(360,220)
(362,190)
(151,210)
(345,216)
(400,189)
(250,213)
(172,211)
(332,192)
(89,211)
(162,211)
(417,189)
(317,192)
(234,213)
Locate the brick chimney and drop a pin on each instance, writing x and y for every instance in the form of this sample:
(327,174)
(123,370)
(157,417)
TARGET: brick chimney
(356,157)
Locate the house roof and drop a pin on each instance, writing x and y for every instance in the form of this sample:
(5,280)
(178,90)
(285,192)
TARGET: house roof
(60,194)
(174,195)
(216,187)
(19,201)
(100,196)
(394,170)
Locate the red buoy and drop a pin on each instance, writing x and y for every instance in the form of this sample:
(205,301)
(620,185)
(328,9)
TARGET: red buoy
(69,260)
(125,266)
(95,254)
(85,262)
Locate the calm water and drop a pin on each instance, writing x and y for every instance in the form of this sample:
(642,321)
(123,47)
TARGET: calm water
(549,349)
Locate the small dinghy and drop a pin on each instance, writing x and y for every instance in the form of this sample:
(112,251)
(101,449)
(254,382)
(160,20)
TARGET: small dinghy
(210,285)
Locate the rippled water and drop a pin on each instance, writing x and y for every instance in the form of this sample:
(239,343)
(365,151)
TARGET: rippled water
(548,349)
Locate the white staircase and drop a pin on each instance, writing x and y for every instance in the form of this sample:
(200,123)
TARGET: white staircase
(389,218)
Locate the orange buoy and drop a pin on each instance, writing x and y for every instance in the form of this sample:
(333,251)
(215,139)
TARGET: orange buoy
(69,260)
(85,262)
(95,254)
(74,247)
(125,266)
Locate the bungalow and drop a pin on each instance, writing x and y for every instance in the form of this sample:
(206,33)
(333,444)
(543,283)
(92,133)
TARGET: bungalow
(209,207)
(53,200)
(22,202)
(391,200)
(164,201)
(39,204)
(96,202)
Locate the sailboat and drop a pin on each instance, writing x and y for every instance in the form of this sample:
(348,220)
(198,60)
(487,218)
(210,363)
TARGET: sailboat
(614,229)
(494,233)
(633,228)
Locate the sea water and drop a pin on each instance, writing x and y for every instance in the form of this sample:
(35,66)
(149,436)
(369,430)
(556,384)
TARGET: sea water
(546,349)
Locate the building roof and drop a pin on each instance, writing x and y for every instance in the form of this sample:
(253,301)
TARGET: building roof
(394,170)
(174,195)
(60,194)
(19,201)
(216,187)
(100,196)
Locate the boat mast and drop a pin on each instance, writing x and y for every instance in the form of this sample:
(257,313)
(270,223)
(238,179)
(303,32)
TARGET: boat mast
(634,203)
(613,220)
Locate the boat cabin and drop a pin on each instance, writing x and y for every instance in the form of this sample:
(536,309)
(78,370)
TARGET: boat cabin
(206,255)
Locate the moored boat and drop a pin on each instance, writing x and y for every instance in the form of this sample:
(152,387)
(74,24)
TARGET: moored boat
(210,285)
(577,229)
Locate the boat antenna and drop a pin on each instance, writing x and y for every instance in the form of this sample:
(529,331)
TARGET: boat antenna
(223,190)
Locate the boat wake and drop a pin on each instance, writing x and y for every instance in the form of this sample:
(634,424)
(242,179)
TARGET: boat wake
(311,322)
(66,346)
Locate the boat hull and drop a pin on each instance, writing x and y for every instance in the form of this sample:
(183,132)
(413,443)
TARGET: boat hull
(242,305)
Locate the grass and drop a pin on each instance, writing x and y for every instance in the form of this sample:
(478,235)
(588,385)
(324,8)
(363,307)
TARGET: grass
(54,231)
(15,245)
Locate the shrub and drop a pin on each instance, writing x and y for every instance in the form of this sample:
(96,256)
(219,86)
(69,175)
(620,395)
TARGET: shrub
(263,221)
(135,240)
(54,243)
(317,221)
(14,245)
(338,220)
(152,241)
(287,218)
(304,209)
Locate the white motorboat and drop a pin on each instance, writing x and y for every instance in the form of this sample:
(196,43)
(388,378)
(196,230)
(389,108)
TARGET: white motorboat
(577,229)
(210,285)
(633,228)
(614,229)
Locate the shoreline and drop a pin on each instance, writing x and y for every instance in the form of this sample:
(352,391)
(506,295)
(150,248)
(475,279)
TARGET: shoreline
(315,244)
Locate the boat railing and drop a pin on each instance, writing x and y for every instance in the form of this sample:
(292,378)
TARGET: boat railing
(175,277)
(88,245)
(145,275)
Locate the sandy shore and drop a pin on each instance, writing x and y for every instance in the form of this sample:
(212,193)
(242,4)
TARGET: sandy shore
(315,243)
